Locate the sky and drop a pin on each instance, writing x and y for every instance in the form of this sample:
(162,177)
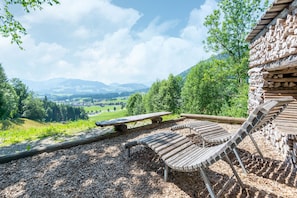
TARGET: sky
(111,41)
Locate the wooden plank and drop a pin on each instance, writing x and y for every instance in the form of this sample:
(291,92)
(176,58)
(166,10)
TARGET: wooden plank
(292,79)
(160,140)
(123,120)
(223,119)
(287,130)
(167,144)
(288,65)
(285,123)
(286,92)
(176,150)
(192,155)
(291,71)
(175,158)
(259,33)
(174,146)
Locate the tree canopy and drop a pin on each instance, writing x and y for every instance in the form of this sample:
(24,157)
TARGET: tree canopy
(207,87)
(229,25)
(9,26)
(135,104)
(8,97)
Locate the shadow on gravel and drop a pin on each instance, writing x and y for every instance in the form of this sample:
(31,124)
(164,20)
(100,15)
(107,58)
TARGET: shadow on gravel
(282,172)
(191,183)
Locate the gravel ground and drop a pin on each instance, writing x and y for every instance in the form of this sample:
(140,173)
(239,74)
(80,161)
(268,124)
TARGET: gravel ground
(102,169)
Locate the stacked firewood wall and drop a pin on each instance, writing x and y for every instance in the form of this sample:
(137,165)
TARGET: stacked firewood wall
(282,79)
(285,143)
(277,139)
(279,42)
(272,74)
(268,84)
(256,82)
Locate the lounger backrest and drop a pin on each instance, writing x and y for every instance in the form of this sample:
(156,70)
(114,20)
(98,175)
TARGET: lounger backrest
(260,117)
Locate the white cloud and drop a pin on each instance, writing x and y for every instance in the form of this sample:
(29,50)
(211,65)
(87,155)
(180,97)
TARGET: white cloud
(112,53)
(154,28)
(73,11)
(195,29)
(82,33)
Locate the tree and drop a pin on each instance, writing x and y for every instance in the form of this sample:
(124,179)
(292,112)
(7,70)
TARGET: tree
(228,27)
(207,88)
(151,99)
(33,108)
(238,106)
(135,104)
(9,26)
(8,97)
(164,95)
(170,94)
(22,92)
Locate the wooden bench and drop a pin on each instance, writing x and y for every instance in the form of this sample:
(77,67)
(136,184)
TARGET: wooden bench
(120,123)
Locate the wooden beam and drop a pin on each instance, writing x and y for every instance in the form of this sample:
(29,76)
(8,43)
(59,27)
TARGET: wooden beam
(220,119)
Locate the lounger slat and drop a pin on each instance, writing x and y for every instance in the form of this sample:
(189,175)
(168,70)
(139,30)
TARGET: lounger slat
(176,157)
(186,160)
(174,146)
(151,138)
(209,132)
(217,137)
(158,141)
(168,144)
(161,142)
(176,150)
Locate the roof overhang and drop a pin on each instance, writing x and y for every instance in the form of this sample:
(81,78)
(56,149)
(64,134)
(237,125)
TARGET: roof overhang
(278,9)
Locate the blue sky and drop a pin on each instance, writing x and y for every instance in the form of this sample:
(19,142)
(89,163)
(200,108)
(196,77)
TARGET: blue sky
(111,41)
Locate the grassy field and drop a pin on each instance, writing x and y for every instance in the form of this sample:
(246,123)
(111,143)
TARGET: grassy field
(106,105)
(27,130)
(22,130)
(96,108)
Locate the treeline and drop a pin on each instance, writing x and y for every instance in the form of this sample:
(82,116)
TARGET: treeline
(17,101)
(211,87)
(162,96)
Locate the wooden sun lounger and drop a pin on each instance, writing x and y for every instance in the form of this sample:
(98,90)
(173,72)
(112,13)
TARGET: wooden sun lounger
(214,134)
(120,123)
(209,132)
(180,154)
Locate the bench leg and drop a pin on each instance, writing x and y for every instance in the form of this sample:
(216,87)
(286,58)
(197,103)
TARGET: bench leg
(128,152)
(156,120)
(256,145)
(121,128)
(239,160)
(234,171)
(207,183)
(166,173)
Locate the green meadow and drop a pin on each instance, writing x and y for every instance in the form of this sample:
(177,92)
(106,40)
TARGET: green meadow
(22,130)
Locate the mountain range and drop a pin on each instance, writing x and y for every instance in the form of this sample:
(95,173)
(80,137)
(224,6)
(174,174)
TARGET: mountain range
(63,86)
